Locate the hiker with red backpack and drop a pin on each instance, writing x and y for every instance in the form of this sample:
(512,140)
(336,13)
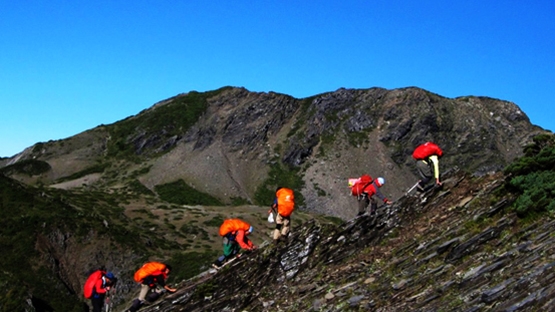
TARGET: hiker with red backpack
(283,206)
(427,163)
(97,285)
(234,233)
(152,276)
(364,188)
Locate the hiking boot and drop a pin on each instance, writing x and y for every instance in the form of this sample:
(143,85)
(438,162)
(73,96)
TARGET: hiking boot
(217,264)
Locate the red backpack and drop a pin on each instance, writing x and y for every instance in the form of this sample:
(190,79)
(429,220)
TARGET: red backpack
(91,281)
(426,150)
(360,185)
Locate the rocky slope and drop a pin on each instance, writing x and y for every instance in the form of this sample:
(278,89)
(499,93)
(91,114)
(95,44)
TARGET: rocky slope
(453,249)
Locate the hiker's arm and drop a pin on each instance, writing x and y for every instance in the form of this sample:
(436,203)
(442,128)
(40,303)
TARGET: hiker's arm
(241,240)
(435,162)
(274,207)
(381,196)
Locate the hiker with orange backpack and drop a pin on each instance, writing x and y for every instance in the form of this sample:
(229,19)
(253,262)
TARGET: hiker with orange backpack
(152,276)
(234,233)
(364,188)
(427,163)
(97,285)
(283,206)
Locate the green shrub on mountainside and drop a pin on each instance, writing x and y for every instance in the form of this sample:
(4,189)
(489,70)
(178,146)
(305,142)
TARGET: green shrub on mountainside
(24,217)
(137,187)
(239,201)
(532,178)
(29,167)
(194,230)
(189,264)
(99,168)
(216,221)
(280,175)
(160,123)
(181,193)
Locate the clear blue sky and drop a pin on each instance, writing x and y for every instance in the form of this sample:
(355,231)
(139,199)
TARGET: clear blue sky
(69,66)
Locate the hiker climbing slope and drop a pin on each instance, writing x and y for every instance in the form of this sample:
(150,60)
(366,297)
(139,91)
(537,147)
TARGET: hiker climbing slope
(283,206)
(234,233)
(97,285)
(427,163)
(152,276)
(364,188)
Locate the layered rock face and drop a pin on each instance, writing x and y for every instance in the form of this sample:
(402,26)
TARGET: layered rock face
(453,249)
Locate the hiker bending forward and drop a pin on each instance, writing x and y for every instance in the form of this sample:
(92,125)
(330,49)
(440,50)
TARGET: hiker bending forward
(96,287)
(152,276)
(365,189)
(283,206)
(427,163)
(234,233)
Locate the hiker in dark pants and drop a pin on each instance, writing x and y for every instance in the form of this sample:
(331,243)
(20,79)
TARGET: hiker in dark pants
(97,286)
(427,164)
(366,197)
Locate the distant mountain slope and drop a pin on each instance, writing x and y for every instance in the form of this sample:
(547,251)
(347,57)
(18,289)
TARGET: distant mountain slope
(238,145)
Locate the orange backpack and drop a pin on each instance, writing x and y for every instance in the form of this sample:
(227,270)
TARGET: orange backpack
(232,225)
(147,269)
(285,201)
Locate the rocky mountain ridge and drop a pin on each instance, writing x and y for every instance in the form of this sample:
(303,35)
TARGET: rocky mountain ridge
(227,142)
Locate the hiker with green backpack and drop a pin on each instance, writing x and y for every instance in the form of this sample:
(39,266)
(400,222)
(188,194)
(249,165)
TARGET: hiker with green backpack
(364,188)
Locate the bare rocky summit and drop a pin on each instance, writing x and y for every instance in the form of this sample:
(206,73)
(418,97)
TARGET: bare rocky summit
(229,148)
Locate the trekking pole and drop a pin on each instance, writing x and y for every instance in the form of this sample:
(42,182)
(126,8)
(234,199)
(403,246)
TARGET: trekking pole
(107,303)
(412,188)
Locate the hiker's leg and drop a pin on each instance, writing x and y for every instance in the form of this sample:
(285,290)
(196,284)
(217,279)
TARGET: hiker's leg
(425,172)
(286,226)
(135,306)
(143,292)
(97,303)
(279,226)
(373,206)
(362,203)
